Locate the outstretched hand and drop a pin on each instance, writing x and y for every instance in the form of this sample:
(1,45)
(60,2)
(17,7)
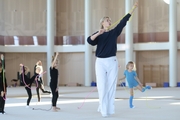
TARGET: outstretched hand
(136,4)
(134,7)
(21,64)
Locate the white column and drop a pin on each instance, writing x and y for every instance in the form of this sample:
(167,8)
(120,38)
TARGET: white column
(88,48)
(128,34)
(50,34)
(173,43)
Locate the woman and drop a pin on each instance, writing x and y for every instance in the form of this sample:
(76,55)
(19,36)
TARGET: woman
(106,62)
(54,82)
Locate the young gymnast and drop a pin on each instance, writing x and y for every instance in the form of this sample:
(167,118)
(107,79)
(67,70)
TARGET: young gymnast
(26,81)
(133,81)
(54,82)
(106,62)
(38,71)
(3,86)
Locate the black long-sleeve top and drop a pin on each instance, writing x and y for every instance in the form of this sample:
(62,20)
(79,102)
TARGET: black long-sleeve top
(35,74)
(26,80)
(54,76)
(3,83)
(35,69)
(107,42)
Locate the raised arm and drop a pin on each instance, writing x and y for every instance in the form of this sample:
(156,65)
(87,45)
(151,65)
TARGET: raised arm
(2,62)
(23,69)
(133,8)
(2,57)
(54,61)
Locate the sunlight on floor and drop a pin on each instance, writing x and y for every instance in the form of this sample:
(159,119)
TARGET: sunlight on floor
(155,97)
(178,103)
(49,102)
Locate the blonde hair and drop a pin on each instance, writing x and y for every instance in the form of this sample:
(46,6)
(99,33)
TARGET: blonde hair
(131,62)
(39,63)
(102,20)
(25,68)
(39,67)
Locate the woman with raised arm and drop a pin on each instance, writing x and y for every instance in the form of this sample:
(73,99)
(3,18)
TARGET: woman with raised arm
(106,62)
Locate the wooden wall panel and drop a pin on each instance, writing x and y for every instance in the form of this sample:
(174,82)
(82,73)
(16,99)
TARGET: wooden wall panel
(71,66)
(23,17)
(28,17)
(155,74)
(70,15)
(152,58)
(153,16)
(28,59)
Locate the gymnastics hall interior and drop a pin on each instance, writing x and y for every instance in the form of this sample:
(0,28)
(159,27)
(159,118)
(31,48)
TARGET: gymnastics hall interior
(30,31)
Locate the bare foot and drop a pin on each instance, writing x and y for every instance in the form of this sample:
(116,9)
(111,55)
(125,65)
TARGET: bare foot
(54,109)
(57,108)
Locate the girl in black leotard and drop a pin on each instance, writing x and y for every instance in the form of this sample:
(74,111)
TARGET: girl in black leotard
(27,82)
(54,82)
(38,70)
(3,86)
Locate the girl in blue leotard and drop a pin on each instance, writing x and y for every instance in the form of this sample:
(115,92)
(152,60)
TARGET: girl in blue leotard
(133,81)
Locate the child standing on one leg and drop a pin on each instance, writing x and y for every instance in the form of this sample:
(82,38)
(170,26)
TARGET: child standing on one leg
(38,73)
(133,81)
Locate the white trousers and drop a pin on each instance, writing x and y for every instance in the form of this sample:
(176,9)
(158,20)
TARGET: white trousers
(106,75)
